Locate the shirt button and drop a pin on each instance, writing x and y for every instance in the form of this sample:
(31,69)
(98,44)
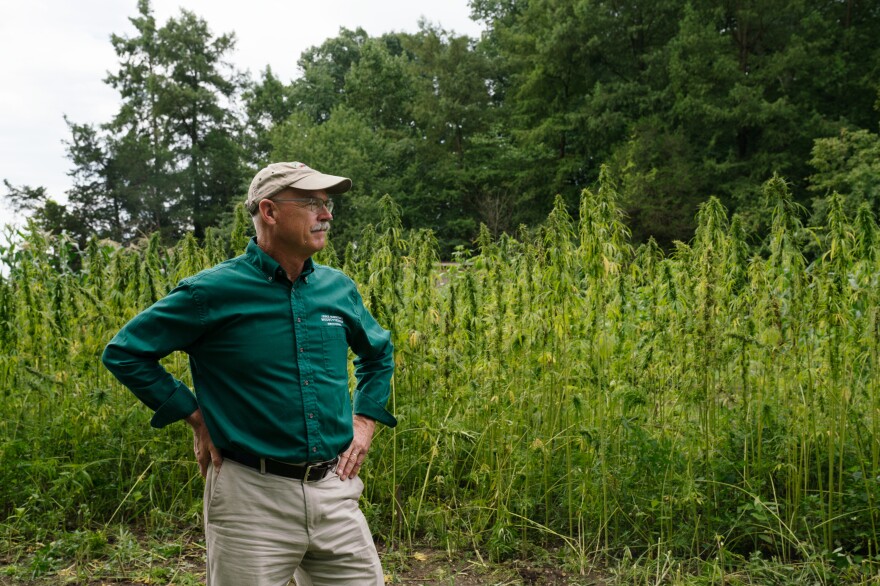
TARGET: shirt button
(302,349)
(311,415)
(299,319)
(307,383)
(314,449)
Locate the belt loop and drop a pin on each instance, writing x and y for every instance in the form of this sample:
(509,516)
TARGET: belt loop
(262,465)
(306,477)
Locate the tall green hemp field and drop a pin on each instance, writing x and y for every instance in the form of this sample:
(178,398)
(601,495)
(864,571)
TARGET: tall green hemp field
(558,391)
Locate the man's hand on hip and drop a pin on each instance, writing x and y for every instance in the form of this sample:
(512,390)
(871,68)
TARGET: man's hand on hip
(351,459)
(202,444)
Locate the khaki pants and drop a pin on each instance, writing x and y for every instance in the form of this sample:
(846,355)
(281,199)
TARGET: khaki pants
(260,529)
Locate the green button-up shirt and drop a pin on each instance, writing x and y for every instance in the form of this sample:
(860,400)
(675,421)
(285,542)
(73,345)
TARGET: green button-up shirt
(269,358)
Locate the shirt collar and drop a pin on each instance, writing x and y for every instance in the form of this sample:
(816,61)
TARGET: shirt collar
(269,266)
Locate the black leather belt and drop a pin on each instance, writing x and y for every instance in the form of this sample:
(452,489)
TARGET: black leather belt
(304,472)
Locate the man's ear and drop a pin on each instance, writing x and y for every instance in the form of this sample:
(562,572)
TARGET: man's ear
(267,211)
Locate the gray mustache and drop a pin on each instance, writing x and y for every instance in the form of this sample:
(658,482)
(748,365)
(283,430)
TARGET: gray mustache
(321,226)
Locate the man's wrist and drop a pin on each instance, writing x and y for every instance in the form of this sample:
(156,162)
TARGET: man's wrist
(195,418)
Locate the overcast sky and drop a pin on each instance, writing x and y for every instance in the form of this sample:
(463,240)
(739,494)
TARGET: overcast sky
(55,54)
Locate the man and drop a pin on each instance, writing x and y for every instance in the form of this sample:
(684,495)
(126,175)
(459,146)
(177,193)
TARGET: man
(274,429)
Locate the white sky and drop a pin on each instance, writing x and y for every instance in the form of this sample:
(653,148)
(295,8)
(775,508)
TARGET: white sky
(55,54)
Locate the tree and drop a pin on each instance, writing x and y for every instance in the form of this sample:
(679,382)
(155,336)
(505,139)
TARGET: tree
(24,197)
(848,164)
(170,160)
(98,198)
(452,98)
(660,182)
(451,107)
(268,103)
(407,102)
(754,84)
(345,144)
(683,98)
(324,68)
(380,86)
(575,76)
(47,213)
(135,167)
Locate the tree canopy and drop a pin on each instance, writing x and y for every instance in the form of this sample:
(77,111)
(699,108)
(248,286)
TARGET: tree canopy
(681,100)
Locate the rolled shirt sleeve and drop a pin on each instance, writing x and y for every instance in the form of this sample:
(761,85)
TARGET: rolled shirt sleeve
(373,367)
(133,355)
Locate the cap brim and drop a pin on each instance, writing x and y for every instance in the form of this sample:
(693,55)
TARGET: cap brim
(332,184)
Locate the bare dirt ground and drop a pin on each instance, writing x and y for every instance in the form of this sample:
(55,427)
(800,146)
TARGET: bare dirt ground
(435,567)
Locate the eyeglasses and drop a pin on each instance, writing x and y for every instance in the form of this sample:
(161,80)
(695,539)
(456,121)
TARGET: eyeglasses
(313,203)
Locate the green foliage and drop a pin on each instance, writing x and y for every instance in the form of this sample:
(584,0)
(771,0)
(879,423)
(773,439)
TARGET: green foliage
(682,98)
(40,208)
(380,87)
(347,144)
(268,103)
(754,85)
(170,160)
(848,164)
(324,68)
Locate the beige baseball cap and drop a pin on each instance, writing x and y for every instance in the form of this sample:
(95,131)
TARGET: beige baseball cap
(279,176)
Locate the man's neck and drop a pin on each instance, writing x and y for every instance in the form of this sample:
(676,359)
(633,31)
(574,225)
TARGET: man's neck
(292,266)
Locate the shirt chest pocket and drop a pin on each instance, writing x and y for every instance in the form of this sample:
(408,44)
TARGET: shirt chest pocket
(335,352)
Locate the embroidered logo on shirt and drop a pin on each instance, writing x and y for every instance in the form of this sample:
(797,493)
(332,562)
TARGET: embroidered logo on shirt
(332,320)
